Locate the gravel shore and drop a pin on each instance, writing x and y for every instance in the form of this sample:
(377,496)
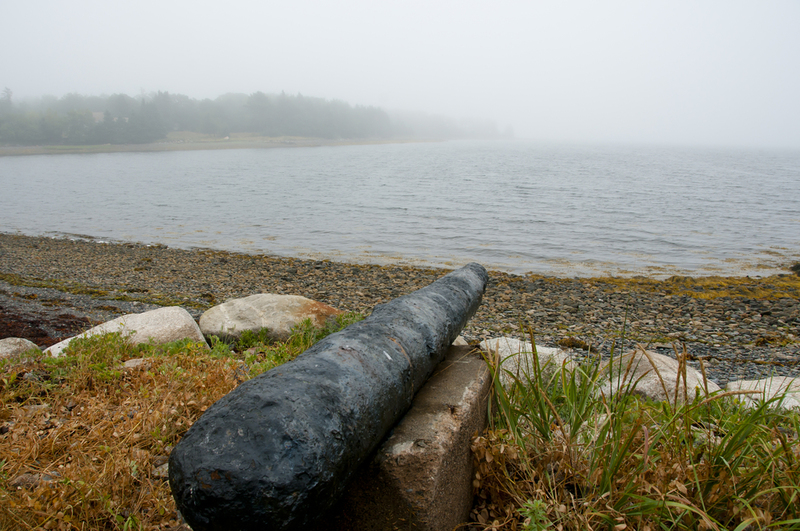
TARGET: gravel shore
(742,327)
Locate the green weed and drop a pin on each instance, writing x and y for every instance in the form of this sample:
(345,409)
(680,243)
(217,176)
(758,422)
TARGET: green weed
(560,452)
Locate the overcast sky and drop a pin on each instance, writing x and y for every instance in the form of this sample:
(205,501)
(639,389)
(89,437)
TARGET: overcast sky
(688,72)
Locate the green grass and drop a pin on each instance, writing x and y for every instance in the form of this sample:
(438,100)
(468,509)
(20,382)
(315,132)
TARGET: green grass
(560,455)
(260,354)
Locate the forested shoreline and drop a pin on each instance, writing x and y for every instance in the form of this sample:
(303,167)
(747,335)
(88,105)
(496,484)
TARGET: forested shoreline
(121,119)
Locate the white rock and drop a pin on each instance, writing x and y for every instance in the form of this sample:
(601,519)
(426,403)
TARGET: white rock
(277,313)
(460,342)
(635,368)
(769,389)
(516,358)
(11,346)
(159,326)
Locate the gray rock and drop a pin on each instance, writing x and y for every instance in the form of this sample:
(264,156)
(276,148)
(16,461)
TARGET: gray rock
(163,325)
(516,358)
(652,376)
(11,346)
(277,313)
(769,388)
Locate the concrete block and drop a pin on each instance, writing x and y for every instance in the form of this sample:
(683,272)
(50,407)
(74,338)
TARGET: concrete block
(420,478)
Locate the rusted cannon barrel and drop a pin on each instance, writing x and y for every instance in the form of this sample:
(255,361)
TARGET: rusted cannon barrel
(278,451)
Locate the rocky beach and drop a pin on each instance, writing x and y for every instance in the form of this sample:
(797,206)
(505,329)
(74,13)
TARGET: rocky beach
(742,328)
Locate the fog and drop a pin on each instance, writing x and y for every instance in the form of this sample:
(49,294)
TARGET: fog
(676,72)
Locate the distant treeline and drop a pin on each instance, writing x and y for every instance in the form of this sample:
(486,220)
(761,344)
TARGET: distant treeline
(120,119)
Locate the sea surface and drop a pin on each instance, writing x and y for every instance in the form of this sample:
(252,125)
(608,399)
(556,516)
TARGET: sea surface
(516,206)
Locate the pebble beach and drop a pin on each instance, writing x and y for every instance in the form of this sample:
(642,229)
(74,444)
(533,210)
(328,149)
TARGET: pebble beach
(741,328)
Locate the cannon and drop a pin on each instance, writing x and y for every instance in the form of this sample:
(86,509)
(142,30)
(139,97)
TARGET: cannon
(278,451)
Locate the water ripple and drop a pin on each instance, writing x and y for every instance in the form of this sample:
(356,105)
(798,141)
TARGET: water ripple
(565,210)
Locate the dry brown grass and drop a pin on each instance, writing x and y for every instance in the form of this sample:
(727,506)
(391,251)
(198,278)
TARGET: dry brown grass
(98,436)
(83,441)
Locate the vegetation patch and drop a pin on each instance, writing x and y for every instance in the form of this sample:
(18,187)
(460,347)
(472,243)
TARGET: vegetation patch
(770,288)
(76,289)
(560,455)
(574,342)
(84,438)
(121,294)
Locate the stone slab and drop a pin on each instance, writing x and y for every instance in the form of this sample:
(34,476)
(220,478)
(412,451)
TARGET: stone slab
(421,476)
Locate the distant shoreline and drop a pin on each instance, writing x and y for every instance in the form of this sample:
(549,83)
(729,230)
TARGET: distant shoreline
(180,142)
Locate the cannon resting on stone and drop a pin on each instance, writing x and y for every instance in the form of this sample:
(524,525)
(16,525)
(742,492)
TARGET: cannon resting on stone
(278,451)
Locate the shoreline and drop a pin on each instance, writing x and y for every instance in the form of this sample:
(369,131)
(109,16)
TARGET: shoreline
(197,142)
(741,326)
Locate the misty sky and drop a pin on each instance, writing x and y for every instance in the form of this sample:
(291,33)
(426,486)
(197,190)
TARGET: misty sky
(687,72)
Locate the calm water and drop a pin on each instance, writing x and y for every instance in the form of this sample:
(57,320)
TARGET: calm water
(516,206)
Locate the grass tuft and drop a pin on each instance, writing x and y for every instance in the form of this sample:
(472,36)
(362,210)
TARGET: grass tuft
(561,455)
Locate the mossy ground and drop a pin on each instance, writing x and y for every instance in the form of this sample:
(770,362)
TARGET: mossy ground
(711,287)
